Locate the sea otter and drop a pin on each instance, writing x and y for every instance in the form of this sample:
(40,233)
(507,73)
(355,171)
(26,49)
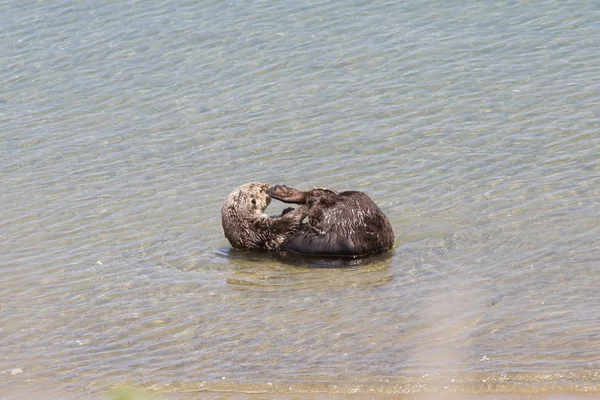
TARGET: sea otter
(345,224)
(246,226)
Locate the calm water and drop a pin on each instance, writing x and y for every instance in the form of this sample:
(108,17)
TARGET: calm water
(474,125)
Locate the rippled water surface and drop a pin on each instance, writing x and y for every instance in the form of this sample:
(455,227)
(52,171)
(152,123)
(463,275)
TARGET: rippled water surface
(473,125)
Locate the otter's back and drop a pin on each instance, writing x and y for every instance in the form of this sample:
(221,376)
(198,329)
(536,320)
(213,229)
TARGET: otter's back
(348,224)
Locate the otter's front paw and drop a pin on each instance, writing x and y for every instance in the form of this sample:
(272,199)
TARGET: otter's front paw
(287,210)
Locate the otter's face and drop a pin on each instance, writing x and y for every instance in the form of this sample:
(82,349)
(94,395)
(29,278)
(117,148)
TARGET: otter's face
(253,196)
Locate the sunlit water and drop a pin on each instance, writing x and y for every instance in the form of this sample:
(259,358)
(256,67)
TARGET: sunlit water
(474,126)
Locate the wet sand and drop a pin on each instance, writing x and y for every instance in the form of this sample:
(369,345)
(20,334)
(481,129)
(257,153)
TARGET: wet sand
(22,391)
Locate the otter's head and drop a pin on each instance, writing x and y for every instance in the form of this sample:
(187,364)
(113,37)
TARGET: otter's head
(251,198)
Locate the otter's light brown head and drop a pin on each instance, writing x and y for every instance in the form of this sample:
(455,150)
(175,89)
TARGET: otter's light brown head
(250,198)
(240,212)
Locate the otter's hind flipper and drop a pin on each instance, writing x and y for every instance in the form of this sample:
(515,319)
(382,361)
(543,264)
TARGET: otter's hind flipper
(287,194)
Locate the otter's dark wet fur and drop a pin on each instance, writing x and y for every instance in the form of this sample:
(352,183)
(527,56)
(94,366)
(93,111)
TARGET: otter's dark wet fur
(347,224)
(246,226)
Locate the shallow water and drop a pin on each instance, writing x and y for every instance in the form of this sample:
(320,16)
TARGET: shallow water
(474,127)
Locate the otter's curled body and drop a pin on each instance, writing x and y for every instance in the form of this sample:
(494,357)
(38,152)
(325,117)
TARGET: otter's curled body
(339,224)
(246,226)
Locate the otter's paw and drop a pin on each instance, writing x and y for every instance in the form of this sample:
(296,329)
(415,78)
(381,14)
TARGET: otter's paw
(287,210)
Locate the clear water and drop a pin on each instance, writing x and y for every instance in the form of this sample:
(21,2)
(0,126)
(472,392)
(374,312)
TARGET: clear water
(473,125)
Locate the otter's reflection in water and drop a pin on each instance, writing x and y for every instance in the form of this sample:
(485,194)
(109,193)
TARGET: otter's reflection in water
(287,271)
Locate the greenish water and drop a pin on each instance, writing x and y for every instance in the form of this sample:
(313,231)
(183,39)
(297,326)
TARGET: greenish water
(473,125)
